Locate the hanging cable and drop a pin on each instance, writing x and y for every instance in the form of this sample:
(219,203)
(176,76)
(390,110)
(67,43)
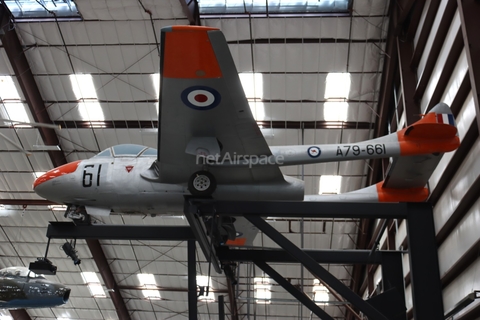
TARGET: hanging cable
(149,12)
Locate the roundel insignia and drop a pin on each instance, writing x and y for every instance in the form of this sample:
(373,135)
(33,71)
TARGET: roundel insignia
(201,97)
(314,152)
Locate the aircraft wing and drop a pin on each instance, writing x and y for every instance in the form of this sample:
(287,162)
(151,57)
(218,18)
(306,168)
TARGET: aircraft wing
(203,110)
(411,171)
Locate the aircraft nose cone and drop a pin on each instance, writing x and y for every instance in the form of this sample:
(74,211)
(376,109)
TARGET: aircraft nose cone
(57,172)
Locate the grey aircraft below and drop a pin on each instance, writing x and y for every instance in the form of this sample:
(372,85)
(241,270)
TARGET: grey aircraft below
(21,288)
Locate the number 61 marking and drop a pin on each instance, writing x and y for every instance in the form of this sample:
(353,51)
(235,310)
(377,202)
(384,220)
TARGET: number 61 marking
(88,177)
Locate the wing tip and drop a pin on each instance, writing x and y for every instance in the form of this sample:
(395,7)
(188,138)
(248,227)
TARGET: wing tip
(187,28)
(441,108)
(188,53)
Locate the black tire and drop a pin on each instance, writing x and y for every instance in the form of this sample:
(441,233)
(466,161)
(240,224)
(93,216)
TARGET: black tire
(202,184)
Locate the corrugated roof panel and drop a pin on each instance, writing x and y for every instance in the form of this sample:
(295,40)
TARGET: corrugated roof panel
(110,10)
(123,267)
(14,161)
(45,312)
(369,28)
(56,88)
(89,314)
(365,57)
(119,252)
(5,67)
(18,181)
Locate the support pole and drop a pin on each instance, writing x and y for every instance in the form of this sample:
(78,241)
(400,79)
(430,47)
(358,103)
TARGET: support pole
(221,308)
(424,271)
(20,314)
(392,277)
(192,281)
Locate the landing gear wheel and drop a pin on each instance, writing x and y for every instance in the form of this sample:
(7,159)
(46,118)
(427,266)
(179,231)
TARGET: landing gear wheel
(202,184)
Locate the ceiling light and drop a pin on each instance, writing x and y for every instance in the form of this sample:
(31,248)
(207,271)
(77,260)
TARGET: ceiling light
(43,147)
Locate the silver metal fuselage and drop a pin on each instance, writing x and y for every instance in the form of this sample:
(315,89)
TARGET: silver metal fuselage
(127,185)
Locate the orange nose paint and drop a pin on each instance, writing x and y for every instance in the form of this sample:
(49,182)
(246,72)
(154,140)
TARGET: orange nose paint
(57,172)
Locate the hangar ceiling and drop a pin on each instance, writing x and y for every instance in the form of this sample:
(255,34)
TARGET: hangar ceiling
(113,50)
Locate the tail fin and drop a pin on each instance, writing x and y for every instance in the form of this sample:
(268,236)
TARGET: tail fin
(435,132)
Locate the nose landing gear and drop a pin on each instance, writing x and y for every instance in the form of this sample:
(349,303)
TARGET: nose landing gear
(202,184)
(78,214)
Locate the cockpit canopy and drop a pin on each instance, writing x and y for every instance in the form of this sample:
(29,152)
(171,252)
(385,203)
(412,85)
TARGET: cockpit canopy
(128,150)
(19,272)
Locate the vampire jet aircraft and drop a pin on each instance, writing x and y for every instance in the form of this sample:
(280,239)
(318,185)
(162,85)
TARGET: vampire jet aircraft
(210,145)
(21,288)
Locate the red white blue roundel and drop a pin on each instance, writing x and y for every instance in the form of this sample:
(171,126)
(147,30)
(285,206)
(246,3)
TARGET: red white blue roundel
(201,97)
(314,152)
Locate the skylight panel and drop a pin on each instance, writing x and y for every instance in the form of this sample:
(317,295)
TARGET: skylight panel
(320,293)
(335,110)
(252,83)
(147,280)
(337,86)
(91,110)
(8,90)
(83,86)
(94,285)
(31,10)
(330,184)
(204,282)
(258,110)
(262,288)
(156,84)
(212,7)
(16,111)
(88,106)
(38,174)
(12,105)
